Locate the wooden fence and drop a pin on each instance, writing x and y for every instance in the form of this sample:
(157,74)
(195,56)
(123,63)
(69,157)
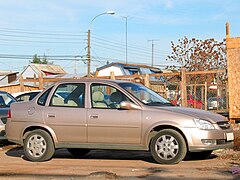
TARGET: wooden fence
(173,86)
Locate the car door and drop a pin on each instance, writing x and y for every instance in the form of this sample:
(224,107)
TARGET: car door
(66,113)
(107,122)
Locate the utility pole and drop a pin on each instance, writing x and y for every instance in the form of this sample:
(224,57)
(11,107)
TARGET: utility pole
(152,40)
(88,55)
(125,17)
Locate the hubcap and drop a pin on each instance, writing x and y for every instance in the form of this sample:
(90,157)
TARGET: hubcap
(36,146)
(166,147)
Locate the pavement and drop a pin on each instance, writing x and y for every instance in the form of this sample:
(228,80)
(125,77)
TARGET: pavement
(115,164)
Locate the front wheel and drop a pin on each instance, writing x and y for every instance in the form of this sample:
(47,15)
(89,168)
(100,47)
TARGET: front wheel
(38,146)
(168,147)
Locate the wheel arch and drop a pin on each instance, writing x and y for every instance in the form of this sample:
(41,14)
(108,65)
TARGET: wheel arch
(158,128)
(28,129)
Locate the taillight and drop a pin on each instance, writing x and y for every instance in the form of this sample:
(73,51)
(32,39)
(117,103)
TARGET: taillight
(9,113)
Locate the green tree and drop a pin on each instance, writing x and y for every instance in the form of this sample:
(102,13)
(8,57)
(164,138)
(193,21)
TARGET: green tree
(37,60)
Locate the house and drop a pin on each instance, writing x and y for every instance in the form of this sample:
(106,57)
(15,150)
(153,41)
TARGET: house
(7,77)
(33,70)
(121,69)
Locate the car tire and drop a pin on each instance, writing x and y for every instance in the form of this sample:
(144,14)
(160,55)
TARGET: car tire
(38,146)
(199,155)
(78,151)
(168,147)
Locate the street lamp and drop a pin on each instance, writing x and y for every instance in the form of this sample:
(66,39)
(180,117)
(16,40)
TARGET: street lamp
(89,51)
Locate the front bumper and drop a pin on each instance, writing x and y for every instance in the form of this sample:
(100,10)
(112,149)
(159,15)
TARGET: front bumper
(196,137)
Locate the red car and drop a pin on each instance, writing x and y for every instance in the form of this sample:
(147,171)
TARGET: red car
(191,101)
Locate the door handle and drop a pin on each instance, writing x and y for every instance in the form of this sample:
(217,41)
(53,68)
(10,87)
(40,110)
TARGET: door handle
(51,115)
(93,116)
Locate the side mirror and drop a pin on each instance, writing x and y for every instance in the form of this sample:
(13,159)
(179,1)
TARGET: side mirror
(129,105)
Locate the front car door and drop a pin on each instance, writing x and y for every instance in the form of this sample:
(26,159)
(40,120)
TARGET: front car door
(107,122)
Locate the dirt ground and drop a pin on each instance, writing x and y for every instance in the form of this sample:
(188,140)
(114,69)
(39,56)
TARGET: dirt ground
(106,164)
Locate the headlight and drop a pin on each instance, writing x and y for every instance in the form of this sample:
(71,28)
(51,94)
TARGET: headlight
(203,124)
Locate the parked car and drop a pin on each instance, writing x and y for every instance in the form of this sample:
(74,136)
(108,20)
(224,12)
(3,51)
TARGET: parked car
(215,103)
(191,101)
(5,101)
(132,117)
(26,95)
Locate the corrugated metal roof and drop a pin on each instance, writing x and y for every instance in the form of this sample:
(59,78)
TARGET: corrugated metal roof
(5,73)
(128,66)
(55,69)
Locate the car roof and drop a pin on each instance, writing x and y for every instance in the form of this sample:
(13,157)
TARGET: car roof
(95,80)
(3,91)
(25,92)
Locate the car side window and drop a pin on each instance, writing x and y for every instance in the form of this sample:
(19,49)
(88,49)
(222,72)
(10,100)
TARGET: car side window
(69,95)
(106,97)
(43,98)
(27,97)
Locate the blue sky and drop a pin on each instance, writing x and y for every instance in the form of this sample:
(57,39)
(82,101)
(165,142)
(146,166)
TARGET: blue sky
(58,29)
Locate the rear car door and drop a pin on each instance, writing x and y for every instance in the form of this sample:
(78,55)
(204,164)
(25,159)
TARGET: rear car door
(66,113)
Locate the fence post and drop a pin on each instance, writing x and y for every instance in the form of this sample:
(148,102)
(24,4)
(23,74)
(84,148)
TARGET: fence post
(35,79)
(40,78)
(21,83)
(205,96)
(183,87)
(112,76)
(146,80)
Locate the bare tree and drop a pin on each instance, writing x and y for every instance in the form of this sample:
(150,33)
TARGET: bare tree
(199,55)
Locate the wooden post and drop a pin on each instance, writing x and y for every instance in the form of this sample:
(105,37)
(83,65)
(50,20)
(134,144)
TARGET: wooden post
(35,78)
(227,30)
(40,81)
(21,83)
(195,96)
(183,87)
(206,90)
(146,80)
(112,76)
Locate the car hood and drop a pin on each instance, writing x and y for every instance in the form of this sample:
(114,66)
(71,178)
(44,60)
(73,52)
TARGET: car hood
(195,113)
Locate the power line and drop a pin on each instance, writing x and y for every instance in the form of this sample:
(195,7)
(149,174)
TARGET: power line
(106,39)
(47,33)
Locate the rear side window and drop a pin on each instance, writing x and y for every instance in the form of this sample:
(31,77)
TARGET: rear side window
(43,98)
(27,97)
(69,95)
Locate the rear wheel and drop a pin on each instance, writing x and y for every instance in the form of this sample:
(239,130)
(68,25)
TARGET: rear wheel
(168,147)
(38,146)
(199,155)
(78,151)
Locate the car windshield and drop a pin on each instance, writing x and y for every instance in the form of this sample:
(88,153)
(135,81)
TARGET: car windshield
(145,95)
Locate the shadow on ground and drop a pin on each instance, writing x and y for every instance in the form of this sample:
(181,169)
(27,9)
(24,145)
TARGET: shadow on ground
(100,154)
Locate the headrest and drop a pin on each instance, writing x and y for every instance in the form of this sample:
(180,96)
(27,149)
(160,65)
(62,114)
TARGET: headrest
(116,97)
(98,96)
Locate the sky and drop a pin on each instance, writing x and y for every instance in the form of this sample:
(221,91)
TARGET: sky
(58,30)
